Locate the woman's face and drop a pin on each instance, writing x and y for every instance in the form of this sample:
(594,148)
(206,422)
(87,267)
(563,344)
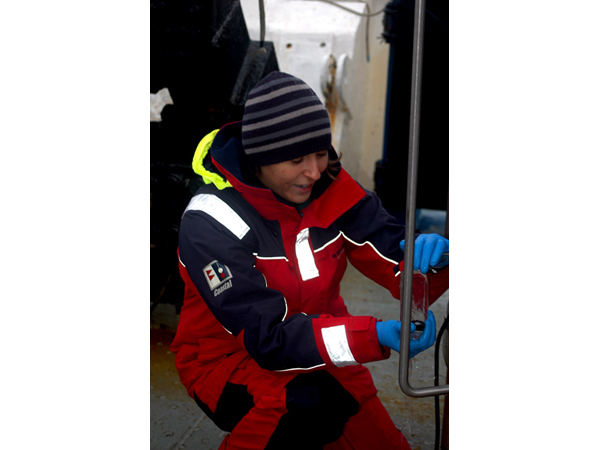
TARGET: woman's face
(294,179)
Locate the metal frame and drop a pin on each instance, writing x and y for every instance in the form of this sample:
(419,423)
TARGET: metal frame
(411,208)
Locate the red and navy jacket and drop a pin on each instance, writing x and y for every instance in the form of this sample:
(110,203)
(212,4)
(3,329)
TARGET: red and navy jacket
(263,278)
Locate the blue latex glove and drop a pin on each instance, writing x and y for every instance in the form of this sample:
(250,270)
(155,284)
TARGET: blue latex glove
(429,251)
(388,333)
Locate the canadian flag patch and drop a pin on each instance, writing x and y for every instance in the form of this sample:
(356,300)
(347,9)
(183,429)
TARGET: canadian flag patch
(216,274)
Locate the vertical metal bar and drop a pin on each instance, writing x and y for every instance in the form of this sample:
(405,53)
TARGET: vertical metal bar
(411,208)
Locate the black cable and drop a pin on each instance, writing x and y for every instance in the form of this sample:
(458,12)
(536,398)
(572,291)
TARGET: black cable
(437,18)
(436,382)
(261,8)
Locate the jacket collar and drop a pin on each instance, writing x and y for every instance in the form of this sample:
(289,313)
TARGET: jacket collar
(332,198)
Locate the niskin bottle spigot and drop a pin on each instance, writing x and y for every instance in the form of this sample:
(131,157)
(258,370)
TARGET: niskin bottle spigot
(420,301)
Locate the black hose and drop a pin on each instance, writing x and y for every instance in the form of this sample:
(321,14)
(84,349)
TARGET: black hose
(436,382)
(261,8)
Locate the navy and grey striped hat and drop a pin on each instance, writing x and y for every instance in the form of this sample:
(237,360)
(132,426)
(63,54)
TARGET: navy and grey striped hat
(283,119)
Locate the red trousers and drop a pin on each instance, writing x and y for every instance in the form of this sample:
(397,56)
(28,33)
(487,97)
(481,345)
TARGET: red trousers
(369,428)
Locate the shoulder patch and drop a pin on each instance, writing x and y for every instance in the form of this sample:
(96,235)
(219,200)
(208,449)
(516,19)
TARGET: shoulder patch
(216,274)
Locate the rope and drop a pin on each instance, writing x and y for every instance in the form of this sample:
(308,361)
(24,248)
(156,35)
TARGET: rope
(354,12)
(368,16)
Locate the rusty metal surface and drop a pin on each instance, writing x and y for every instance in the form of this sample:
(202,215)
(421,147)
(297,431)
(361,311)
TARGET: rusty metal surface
(178,423)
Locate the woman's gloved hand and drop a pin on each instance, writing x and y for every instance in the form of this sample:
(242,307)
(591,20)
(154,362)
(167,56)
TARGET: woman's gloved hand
(429,251)
(388,333)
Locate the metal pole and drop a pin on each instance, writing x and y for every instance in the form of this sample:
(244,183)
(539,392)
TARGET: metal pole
(411,208)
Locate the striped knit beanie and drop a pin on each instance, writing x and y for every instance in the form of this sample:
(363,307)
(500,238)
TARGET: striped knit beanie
(283,119)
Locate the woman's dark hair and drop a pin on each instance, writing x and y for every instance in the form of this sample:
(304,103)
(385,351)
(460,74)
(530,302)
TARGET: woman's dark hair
(333,166)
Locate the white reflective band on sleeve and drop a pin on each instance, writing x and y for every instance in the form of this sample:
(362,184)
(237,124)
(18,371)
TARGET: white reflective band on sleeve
(220,211)
(306,260)
(337,346)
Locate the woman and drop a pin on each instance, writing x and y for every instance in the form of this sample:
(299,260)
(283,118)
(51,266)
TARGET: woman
(265,344)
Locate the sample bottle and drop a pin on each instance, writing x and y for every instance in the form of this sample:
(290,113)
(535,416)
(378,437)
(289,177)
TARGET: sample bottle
(420,300)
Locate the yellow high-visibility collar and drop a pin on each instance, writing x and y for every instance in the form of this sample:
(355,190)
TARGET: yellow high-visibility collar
(199,155)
